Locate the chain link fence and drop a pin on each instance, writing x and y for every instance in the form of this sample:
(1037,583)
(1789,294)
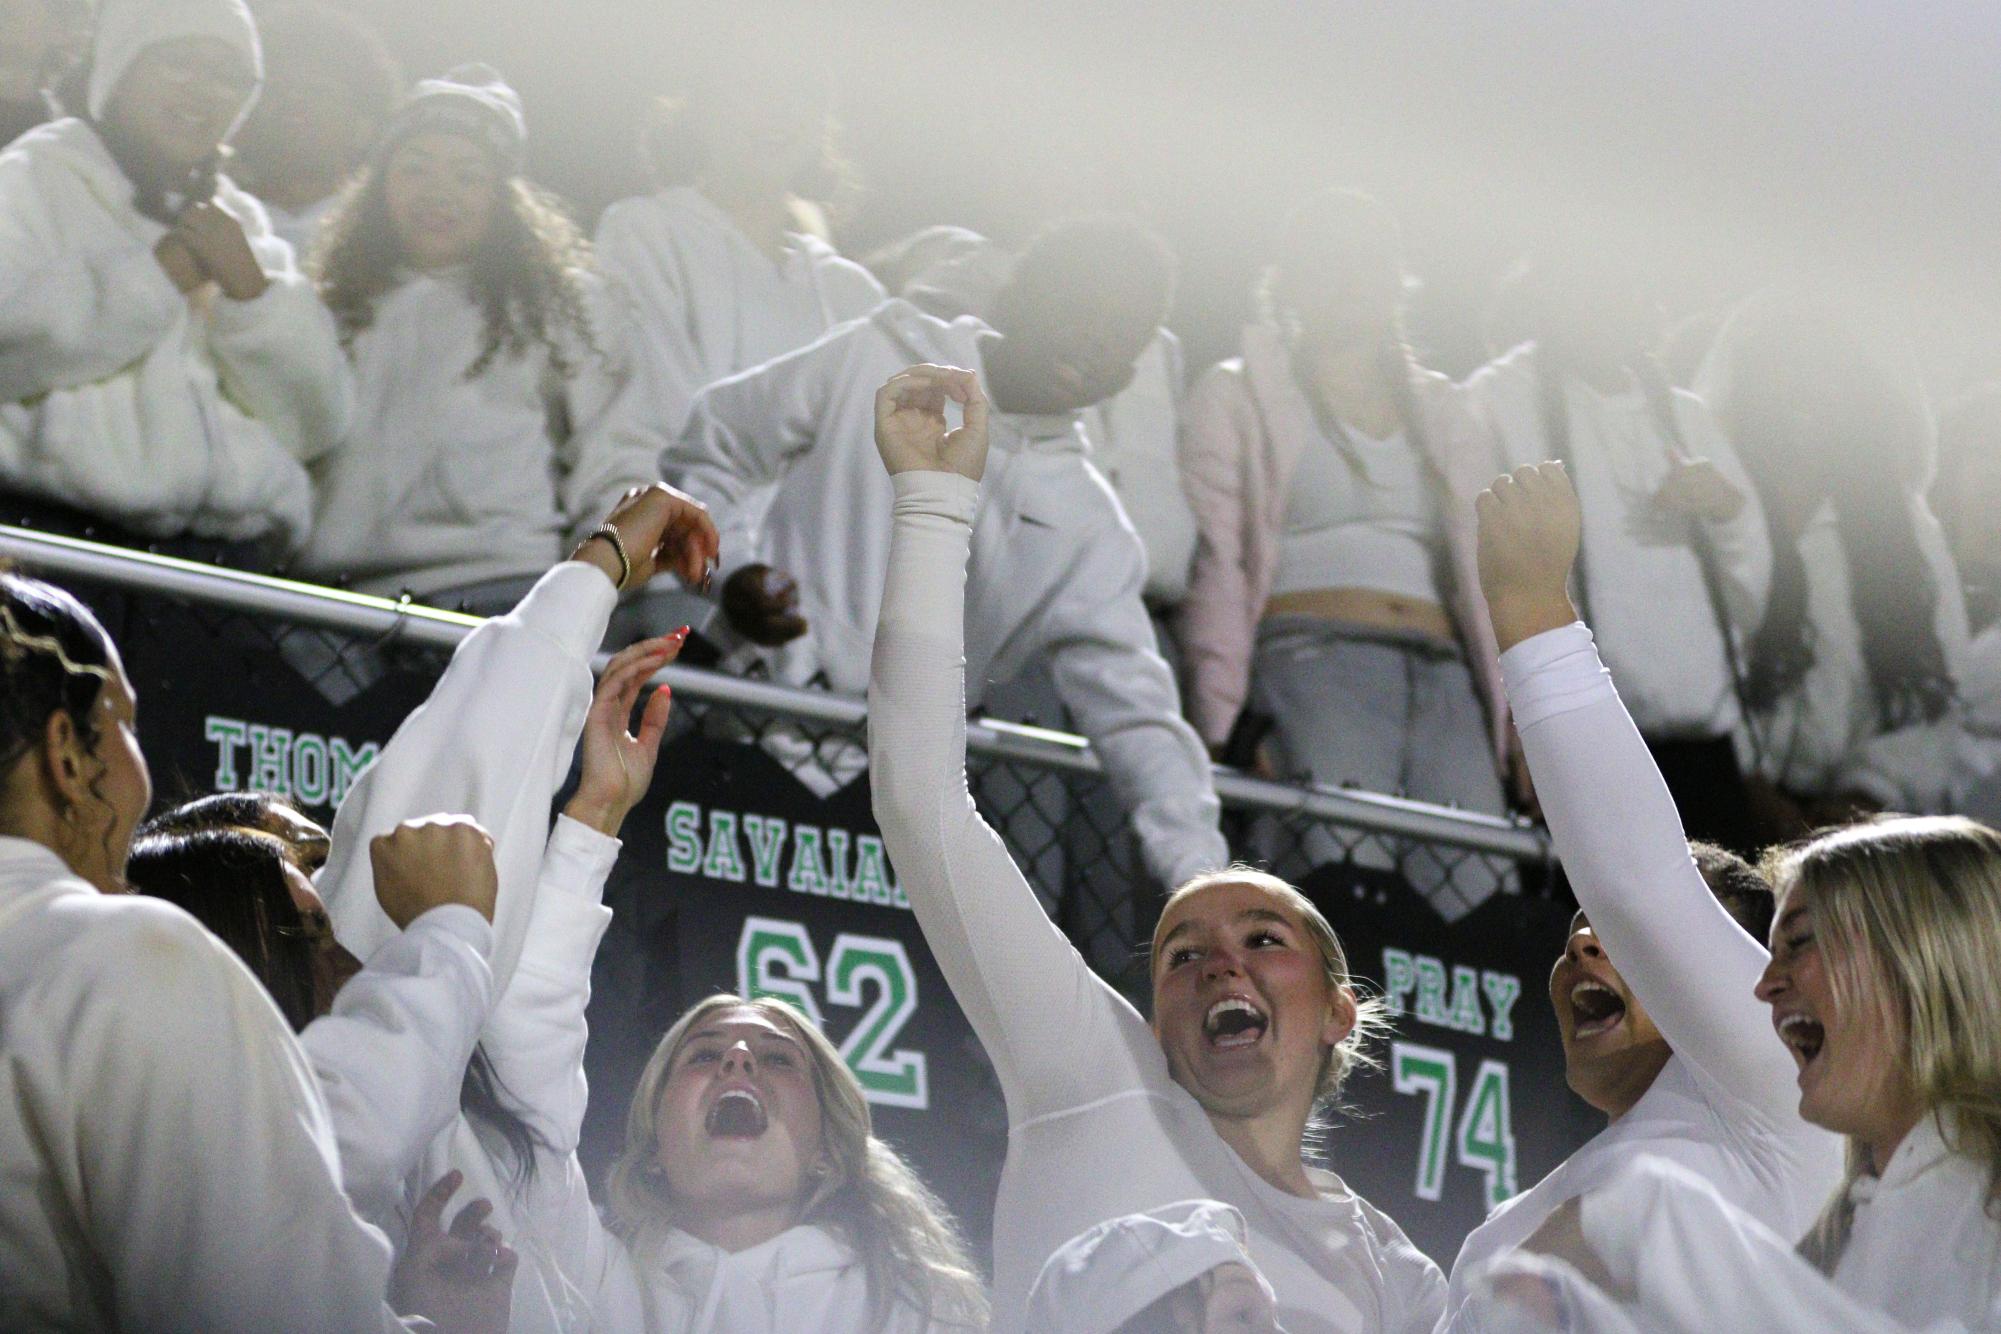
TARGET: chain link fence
(367,661)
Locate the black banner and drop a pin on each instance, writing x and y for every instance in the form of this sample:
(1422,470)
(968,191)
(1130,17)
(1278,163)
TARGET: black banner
(737,876)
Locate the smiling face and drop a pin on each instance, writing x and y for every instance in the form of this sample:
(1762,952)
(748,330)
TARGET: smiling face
(179,99)
(1847,1043)
(441,191)
(1242,1004)
(1611,1049)
(739,1122)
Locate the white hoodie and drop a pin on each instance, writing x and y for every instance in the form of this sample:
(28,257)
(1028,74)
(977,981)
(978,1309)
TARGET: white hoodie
(450,479)
(1057,570)
(708,303)
(166,413)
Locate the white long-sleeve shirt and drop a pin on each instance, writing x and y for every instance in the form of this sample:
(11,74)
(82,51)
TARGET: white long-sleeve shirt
(536,1042)
(1656,625)
(390,1054)
(1826,735)
(164,412)
(1097,1128)
(1057,571)
(167,1158)
(448,479)
(708,303)
(1726,1104)
(1924,1254)
(1135,437)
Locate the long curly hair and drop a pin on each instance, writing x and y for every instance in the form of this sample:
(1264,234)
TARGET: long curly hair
(904,1237)
(527,275)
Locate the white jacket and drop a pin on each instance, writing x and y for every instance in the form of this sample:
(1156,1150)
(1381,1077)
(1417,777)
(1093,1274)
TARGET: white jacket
(1057,570)
(169,1161)
(1924,1254)
(1826,736)
(166,413)
(449,479)
(1726,1104)
(708,303)
(1655,624)
(1097,1127)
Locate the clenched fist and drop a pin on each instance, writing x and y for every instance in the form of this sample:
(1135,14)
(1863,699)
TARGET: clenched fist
(1530,525)
(431,861)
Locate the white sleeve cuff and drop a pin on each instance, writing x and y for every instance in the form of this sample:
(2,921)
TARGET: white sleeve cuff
(579,854)
(948,495)
(571,604)
(1554,672)
(462,923)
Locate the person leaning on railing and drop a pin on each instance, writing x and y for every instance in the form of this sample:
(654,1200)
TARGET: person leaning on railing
(163,365)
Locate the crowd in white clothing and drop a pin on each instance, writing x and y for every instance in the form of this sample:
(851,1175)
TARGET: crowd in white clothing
(250,1062)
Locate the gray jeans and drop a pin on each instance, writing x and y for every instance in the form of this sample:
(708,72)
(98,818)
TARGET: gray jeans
(1356,706)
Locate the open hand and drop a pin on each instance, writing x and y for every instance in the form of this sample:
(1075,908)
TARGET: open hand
(1698,489)
(461,1279)
(662,529)
(431,861)
(216,242)
(763,605)
(1530,525)
(910,428)
(618,766)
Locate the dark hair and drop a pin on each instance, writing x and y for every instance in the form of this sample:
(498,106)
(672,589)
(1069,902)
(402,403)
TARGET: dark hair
(218,810)
(483,1098)
(1114,262)
(1863,454)
(1737,885)
(233,882)
(528,274)
(53,655)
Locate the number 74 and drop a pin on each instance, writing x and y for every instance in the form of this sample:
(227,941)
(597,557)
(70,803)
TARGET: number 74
(1484,1138)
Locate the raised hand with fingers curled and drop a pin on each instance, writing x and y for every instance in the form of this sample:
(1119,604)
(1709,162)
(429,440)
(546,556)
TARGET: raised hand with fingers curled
(653,528)
(911,432)
(1530,525)
(617,764)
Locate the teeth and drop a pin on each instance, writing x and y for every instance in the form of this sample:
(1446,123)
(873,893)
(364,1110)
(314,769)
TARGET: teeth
(1231,1005)
(1589,986)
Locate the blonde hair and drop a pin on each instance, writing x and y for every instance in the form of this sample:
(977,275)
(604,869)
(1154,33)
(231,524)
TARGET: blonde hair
(905,1238)
(1372,1019)
(1908,913)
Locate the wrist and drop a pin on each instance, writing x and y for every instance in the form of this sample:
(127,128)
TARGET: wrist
(598,554)
(600,813)
(1523,616)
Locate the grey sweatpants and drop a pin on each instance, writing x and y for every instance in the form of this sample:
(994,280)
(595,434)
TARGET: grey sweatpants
(1355,706)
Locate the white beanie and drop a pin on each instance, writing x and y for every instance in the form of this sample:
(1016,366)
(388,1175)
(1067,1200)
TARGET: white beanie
(1102,1278)
(125,28)
(469,100)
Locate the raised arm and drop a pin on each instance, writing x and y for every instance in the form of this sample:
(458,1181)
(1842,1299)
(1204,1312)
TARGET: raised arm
(1056,1034)
(495,738)
(1614,823)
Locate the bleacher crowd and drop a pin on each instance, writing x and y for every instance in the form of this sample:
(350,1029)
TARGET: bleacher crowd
(262,304)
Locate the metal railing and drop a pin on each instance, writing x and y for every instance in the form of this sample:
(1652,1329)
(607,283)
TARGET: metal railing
(1044,790)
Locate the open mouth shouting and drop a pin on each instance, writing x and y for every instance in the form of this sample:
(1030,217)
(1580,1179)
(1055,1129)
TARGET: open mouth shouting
(1594,1009)
(1234,1023)
(737,1114)
(1803,1036)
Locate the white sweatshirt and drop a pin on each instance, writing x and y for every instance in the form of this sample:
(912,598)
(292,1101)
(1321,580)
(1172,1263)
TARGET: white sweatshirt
(1826,736)
(448,480)
(390,1054)
(536,1042)
(1647,600)
(1924,1255)
(166,413)
(1057,570)
(708,303)
(168,1158)
(1096,1126)
(1135,437)
(1725,1106)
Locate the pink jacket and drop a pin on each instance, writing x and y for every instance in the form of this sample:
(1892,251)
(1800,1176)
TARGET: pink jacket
(1242,431)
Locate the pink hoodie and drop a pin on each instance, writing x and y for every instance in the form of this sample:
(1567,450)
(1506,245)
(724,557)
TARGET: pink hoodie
(1242,431)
